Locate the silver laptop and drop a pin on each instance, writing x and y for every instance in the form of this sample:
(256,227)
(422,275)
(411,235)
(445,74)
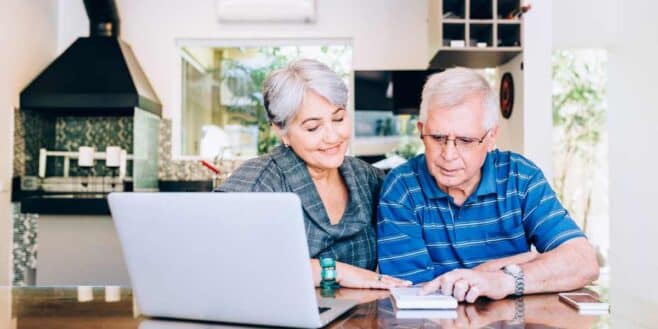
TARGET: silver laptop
(227,257)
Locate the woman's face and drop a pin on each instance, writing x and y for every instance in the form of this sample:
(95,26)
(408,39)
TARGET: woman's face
(320,132)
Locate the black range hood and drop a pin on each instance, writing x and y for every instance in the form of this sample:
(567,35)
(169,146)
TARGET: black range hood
(96,75)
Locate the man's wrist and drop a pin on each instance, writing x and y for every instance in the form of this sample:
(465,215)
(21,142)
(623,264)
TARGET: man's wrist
(516,273)
(508,283)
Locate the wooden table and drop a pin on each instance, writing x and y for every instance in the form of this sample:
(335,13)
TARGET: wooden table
(70,307)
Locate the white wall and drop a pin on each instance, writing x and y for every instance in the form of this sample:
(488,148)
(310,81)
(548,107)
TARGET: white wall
(584,23)
(537,82)
(510,132)
(387,34)
(28,44)
(633,128)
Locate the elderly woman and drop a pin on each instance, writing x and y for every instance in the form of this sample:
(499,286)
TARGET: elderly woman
(306,104)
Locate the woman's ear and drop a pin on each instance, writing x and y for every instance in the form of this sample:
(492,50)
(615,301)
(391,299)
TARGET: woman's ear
(281,134)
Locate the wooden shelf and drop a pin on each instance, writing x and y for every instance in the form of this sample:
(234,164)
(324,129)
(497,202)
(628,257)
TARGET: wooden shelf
(480,21)
(454,21)
(473,57)
(484,21)
(509,21)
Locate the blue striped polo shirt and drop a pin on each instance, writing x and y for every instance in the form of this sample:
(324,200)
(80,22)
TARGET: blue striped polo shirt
(421,233)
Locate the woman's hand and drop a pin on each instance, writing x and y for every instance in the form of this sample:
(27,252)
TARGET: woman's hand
(355,277)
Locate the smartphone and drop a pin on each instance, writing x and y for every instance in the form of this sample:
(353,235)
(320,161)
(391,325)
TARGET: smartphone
(583,302)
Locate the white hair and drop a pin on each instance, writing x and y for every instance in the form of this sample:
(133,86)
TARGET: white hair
(284,89)
(453,87)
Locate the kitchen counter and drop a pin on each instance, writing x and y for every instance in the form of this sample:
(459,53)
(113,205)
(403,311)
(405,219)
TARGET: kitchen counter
(50,203)
(66,204)
(38,202)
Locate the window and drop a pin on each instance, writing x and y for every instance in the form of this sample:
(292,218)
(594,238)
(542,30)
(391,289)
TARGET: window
(222,110)
(580,140)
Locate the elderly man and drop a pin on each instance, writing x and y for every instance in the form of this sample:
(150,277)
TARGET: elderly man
(463,216)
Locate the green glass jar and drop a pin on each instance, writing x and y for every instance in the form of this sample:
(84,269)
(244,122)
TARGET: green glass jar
(328,273)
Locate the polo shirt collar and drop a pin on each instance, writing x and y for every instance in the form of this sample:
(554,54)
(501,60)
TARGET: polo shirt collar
(487,184)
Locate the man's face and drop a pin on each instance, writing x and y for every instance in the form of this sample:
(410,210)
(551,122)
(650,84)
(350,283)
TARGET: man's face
(457,164)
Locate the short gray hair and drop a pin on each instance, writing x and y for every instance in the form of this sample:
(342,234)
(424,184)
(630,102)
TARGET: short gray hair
(284,89)
(452,87)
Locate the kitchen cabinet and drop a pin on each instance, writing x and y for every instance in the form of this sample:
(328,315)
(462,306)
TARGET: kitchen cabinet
(79,250)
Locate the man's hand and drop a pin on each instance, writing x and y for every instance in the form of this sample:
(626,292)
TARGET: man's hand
(468,285)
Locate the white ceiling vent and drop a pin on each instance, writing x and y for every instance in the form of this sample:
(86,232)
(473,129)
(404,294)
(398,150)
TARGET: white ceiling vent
(250,11)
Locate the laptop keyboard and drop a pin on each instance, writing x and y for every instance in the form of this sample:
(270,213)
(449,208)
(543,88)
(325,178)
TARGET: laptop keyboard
(323,309)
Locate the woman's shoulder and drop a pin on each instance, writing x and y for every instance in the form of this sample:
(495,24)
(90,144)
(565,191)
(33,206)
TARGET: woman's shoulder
(259,174)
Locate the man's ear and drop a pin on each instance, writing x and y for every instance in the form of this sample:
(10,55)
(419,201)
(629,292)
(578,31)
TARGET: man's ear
(493,134)
(281,134)
(420,129)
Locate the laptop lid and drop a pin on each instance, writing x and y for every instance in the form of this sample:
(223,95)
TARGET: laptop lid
(230,257)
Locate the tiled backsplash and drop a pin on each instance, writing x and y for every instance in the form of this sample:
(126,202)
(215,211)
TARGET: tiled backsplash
(25,245)
(65,133)
(19,144)
(73,132)
(177,169)
(32,131)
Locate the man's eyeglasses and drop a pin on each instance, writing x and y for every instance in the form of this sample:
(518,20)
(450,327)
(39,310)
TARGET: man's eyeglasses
(461,143)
